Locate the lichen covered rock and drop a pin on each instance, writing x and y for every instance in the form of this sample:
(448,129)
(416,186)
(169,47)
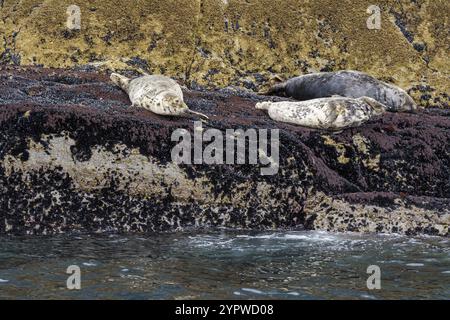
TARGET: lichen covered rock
(216,43)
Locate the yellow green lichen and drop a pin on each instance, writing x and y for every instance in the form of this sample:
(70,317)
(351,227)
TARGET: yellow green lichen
(217,43)
(362,144)
(340,149)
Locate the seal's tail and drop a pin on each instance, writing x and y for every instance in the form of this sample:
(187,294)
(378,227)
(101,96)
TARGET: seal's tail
(120,81)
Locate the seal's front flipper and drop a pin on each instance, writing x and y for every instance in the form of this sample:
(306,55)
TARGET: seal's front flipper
(198,114)
(378,107)
(277,78)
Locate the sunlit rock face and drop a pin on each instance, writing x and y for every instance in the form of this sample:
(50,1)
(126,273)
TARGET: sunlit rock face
(74,156)
(215,43)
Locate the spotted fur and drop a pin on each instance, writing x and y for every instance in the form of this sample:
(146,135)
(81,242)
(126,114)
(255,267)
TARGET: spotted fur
(334,113)
(156,93)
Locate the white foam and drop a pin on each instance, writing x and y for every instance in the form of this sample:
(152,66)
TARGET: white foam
(313,236)
(415,264)
(266,236)
(306,235)
(395,261)
(252,291)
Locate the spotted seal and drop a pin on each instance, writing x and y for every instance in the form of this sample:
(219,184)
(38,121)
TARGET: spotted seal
(157,93)
(334,113)
(348,83)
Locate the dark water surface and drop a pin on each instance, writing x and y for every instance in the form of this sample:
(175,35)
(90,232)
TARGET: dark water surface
(225,264)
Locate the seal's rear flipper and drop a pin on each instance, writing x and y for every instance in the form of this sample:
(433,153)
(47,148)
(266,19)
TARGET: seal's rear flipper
(275,90)
(277,87)
(121,81)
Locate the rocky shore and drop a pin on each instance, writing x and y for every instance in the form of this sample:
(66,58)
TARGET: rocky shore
(75,157)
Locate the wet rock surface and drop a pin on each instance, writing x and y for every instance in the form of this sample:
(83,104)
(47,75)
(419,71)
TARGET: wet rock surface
(74,156)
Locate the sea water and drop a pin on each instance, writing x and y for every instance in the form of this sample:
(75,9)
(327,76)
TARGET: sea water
(225,264)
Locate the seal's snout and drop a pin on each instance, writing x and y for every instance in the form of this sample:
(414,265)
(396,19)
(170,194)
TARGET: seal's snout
(410,105)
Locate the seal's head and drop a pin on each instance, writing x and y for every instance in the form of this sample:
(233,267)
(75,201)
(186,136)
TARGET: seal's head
(263,105)
(174,104)
(398,100)
(121,81)
(408,105)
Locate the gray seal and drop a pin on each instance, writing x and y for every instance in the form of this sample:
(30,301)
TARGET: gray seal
(334,114)
(351,84)
(157,93)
